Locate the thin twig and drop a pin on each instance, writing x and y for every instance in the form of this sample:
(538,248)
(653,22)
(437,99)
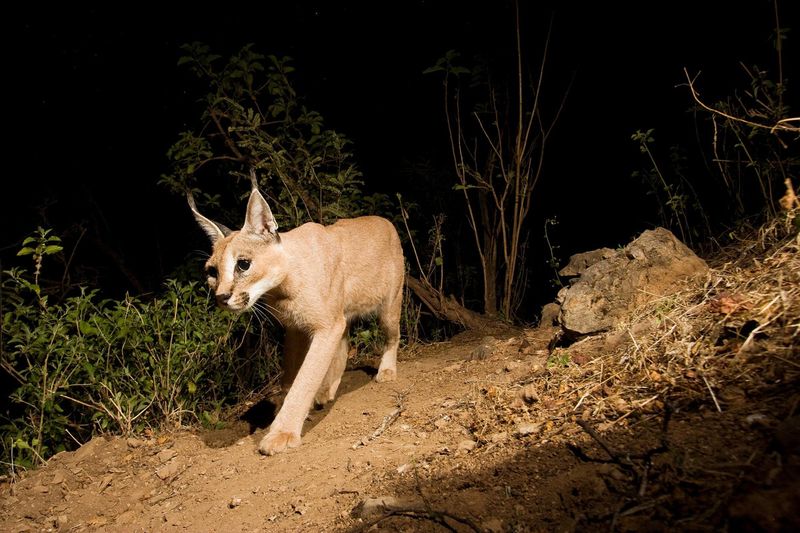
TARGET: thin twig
(438,517)
(713,396)
(592,433)
(783,124)
(388,420)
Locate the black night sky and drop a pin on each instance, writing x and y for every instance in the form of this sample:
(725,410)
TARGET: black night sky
(96,98)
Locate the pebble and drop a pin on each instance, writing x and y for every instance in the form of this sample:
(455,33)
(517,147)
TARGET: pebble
(529,394)
(167,471)
(467,445)
(528,428)
(493,525)
(500,436)
(165,455)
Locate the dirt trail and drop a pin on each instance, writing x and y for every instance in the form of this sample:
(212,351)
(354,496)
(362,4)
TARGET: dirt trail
(473,448)
(181,481)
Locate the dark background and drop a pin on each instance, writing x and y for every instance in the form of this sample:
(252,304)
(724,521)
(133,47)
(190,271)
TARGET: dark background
(94,98)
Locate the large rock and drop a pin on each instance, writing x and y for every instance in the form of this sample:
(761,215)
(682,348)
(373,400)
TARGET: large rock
(580,262)
(609,289)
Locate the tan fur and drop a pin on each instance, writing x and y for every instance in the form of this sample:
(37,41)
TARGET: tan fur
(315,279)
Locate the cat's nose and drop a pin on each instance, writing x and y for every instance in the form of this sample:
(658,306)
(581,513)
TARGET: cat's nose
(222,299)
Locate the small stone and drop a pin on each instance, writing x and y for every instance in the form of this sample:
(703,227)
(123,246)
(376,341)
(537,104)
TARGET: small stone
(300,508)
(756,420)
(467,445)
(511,366)
(617,474)
(528,428)
(498,437)
(529,394)
(134,443)
(537,369)
(167,471)
(165,455)
(485,350)
(493,525)
(402,469)
(732,394)
(550,314)
(234,502)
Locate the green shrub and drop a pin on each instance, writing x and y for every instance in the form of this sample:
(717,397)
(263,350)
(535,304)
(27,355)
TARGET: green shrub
(253,118)
(89,365)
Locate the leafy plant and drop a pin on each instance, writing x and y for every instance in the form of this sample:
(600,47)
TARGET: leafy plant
(553,261)
(39,245)
(559,358)
(678,203)
(252,118)
(89,365)
(753,136)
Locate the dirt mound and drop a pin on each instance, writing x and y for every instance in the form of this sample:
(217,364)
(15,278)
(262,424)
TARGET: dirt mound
(682,417)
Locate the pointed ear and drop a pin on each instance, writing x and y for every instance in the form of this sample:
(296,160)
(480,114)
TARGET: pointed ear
(259,218)
(214,230)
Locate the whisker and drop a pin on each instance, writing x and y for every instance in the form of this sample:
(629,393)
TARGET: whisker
(255,315)
(261,312)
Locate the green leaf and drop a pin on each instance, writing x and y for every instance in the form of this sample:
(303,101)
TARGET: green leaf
(52,249)
(26,251)
(431,70)
(87,329)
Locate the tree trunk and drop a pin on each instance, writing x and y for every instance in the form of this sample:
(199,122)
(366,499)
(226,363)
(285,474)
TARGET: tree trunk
(447,308)
(489,257)
(490,278)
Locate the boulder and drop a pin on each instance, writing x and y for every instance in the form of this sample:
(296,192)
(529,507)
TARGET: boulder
(580,262)
(609,289)
(550,313)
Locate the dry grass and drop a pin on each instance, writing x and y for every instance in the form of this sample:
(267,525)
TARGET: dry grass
(716,341)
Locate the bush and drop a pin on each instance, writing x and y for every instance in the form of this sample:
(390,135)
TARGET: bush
(89,365)
(253,118)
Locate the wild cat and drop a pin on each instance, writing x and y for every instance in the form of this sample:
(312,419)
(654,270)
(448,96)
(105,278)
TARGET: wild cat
(315,280)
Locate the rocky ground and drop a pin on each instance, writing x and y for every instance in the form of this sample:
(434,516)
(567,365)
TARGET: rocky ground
(682,416)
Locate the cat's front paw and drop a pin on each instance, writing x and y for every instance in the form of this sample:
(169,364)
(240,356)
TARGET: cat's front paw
(385,375)
(277,441)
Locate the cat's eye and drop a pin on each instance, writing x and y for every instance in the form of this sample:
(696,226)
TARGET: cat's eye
(211,272)
(242,265)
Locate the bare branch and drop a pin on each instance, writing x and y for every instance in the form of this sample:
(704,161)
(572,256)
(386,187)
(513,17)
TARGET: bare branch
(781,125)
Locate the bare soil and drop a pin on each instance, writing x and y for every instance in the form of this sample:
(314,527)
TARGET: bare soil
(479,433)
